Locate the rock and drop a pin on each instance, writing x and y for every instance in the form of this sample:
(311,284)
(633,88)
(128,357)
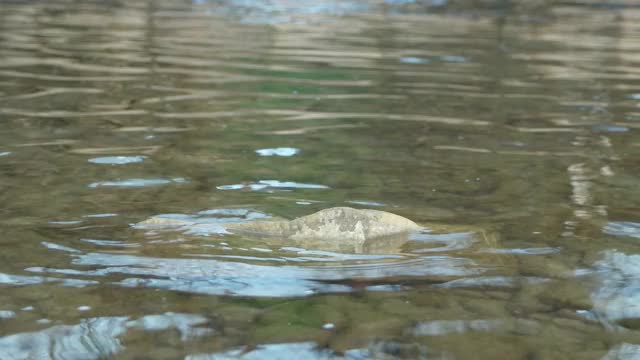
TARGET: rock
(339,228)
(339,223)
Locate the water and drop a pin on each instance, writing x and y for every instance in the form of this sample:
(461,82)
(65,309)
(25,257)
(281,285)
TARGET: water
(133,131)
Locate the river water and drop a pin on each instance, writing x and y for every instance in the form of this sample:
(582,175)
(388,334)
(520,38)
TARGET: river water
(508,129)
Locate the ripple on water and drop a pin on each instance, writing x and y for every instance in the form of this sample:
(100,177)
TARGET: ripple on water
(322,256)
(271,184)
(217,277)
(622,228)
(312,351)
(7,314)
(624,351)
(230,274)
(118,160)
(414,60)
(448,327)
(365,203)
(69,222)
(524,251)
(113,243)
(617,296)
(454,59)
(57,247)
(137,182)
(445,327)
(104,215)
(97,338)
(451,241)
(206,222)
(491,281)
(610,128)
(20,280)
(399,2)
(276,12)
(281,151)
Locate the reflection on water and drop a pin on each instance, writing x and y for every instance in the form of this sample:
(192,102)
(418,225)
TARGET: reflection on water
(117,160)
(623,352)
(222,277)
(268,184)
(136,182)
(434,328)
(531,251)
(308,350)
(281,151)
(449,242)
(6,314)
(8,279)
(413,60)
(132,132)
(95,338)
(283,11)
(623,228)
(205,222)
(491,281)
(618,294)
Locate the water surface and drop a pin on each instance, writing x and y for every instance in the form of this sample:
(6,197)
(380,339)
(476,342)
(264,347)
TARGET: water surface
(132,132)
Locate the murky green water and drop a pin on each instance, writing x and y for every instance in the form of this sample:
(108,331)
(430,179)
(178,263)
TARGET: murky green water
(509,130)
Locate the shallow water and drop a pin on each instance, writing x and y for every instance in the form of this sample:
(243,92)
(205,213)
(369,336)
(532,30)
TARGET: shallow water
(133,131)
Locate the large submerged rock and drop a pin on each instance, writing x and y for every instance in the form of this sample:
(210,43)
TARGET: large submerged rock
(339,228)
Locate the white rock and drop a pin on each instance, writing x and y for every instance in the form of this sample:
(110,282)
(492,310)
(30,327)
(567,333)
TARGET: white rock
(339,225)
